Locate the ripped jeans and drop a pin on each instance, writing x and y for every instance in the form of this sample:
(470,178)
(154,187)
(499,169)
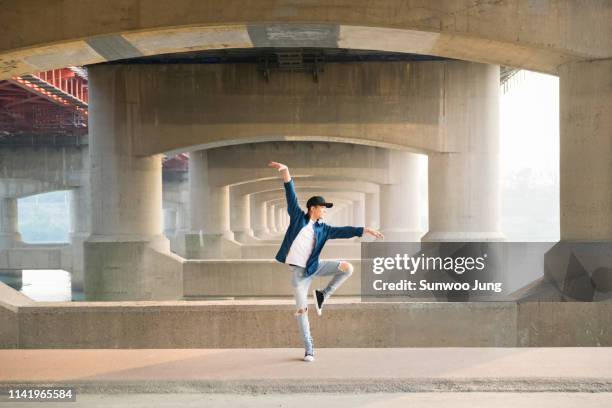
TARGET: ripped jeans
(301,285)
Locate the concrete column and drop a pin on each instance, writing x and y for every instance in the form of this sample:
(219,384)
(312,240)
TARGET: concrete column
(350,209)
(9,228)
(585,92)
(9,238)
(209,203)
(585,98)
(340,215)
(345,215)
(170,221)
(399,202)
(182,217)
(372,215)
(126,256)
(464,184)
(259,217)
(240,217)
(80,225)
(210,235)
(271,218)
(278,211)
(359,213)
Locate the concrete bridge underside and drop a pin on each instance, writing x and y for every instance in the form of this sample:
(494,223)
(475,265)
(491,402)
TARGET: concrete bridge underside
(540,37)
(233,122)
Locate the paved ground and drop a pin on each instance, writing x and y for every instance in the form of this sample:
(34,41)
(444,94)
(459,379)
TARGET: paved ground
(112,371)
(376,400)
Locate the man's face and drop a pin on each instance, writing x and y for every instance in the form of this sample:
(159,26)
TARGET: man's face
(317,211)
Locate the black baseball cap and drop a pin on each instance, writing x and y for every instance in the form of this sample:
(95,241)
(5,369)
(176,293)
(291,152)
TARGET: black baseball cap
(318,200)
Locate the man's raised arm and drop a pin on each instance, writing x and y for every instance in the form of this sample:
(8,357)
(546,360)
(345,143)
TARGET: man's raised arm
(283,169)
(293,208)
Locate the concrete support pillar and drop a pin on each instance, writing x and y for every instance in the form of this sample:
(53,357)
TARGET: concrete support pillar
(358,217)
(240,218)
(126,256)
(170,221)
(585,92)
(346,212)
(464,184)
(340,217)
(278,212)
(271,218)
(399,202)
(259,217)
(9,238)
(182,217)
(9,228)
(210,235)
(576,268)
(80,226)
(372,216)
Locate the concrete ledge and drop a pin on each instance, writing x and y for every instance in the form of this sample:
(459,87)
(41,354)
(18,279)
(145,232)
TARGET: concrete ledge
(10,300)
(346,322)
(335,370)
(33,257)
(264,323)
(251,278)
(564,324)
(9,326)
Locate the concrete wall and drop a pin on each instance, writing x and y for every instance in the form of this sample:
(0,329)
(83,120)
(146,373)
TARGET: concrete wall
(257,324)
(37,257)
(10,301)
(564,324)
(251,278)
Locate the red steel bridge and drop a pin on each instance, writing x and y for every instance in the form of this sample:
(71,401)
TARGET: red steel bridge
(50,109)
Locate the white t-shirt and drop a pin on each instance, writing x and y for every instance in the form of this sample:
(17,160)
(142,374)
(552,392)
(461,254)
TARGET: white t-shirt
(302,246)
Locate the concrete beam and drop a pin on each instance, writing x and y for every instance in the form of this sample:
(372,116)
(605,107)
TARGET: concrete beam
(510,33)
(349,103)
(48,168)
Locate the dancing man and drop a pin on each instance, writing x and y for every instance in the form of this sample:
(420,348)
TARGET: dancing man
(304,239)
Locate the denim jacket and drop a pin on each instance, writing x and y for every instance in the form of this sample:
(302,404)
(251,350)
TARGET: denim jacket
(323,232)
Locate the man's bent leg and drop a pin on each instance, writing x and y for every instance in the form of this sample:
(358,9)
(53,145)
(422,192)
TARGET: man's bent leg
(341,271)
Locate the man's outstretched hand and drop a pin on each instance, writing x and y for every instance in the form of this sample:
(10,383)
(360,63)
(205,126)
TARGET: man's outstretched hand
(277,166)
(373,232)
(282,168)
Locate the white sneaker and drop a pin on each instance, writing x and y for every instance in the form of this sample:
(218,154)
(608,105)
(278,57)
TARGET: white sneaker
(308,357)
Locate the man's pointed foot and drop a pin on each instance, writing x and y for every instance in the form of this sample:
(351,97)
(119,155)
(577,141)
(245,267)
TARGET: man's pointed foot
(319,298)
